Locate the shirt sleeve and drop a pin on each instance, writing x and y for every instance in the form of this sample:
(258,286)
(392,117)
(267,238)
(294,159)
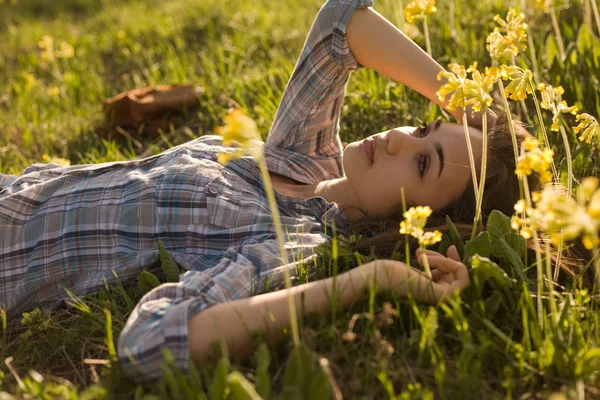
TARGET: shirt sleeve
(307,121)
(160,320)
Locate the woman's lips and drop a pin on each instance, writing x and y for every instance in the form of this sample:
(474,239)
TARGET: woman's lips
(369,146)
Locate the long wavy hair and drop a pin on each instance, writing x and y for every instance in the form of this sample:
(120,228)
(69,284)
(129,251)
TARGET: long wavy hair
(501,193)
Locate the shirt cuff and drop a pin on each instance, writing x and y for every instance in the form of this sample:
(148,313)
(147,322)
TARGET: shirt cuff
(343,11)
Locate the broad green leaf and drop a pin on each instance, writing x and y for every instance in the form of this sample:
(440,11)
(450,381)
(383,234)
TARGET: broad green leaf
(485,269)
(456,237)
(219,382)
(498,225)
(501,250)
(584,39)
(444,244)
(319,385)
(263,378)
(240,388)
(480,244)
(169,267)
(147,281)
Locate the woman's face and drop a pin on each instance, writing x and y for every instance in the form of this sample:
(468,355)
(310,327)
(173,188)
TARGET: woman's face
(431,163)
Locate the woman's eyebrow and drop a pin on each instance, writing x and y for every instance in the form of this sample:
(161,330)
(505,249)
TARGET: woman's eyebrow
(440,153)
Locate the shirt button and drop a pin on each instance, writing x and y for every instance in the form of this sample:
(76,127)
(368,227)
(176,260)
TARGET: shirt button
(213,190)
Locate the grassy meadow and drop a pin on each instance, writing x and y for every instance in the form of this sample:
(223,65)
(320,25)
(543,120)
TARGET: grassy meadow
(492,342)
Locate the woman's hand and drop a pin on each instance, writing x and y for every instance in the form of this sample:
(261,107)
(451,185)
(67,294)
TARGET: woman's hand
(449,275)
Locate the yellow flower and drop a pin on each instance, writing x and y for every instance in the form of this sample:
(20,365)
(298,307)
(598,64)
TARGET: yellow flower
(454,86)
(65,51)
(47,47)
(464,91)
(414,223)
(53,91)
(240,130)
(507,40)
(535,159)
(562,218)
(552,101)
(477,90)
(589,125)
(419,9)
(519,78)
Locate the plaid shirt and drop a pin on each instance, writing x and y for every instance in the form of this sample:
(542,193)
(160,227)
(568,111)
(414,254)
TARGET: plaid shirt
(77,227)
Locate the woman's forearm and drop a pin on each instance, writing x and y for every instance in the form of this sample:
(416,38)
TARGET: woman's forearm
(233,322)
(379,45)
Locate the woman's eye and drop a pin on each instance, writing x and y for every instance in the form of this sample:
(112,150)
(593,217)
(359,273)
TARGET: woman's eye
(422,165)
(422,130)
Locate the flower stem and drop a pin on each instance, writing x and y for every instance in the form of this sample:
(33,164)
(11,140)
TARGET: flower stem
(406,236)
(264,172)
(426,263)
(543,127)
(427,41)
(538,259)
(549,281)
(513,134)
(482,173)
(565,139)
(558,34)
(470,151)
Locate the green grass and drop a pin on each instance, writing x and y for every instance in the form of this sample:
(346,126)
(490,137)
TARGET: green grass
(485,345)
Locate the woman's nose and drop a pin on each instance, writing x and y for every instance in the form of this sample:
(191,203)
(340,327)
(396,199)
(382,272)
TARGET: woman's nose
(401,139)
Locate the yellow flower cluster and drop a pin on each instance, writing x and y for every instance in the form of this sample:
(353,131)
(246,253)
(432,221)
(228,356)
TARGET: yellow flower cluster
(240,130)
(414,224)
(561,216)
(464,91)
(520,80)
(535,159)
(547,5)
(507,40)
(419,9)
(48,53)
(552,101)
(588,126)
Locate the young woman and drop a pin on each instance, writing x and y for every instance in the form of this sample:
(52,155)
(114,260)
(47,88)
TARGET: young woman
(77,227)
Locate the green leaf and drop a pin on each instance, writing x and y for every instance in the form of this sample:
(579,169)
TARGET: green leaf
(480,244)
(444,244)
(492,303)
(147,281)
(304,377)
(502,250)
(429,328)
(485,269)
(498,225)
(219,382)
(169,267)
(319,385)
(240,388)
(263,378)
(584,39)
(456,237)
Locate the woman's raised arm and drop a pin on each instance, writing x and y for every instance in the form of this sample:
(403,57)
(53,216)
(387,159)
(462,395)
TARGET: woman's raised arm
(379,45)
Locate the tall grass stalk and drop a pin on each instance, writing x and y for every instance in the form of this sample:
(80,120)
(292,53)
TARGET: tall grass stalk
(558,34)
(596,14)
(538,260)
(482,173)
(543,127)
(264,171)
(513,134)
(427,39)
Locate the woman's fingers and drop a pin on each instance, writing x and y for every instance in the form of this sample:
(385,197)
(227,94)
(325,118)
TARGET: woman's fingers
(453,253)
